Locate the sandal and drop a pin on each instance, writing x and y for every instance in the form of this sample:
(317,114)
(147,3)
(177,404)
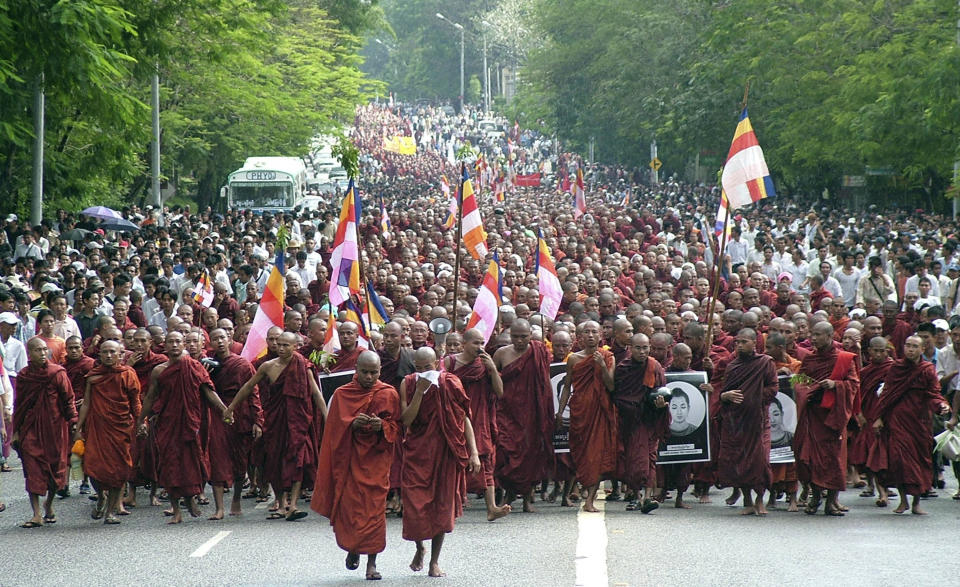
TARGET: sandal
(829,511)
(3,507)
(275,516)
(52,519)
(632,506)
(648,506)
(870,493)
(5,468)
(353,561)
(97,512)
(613,497)
(110,520)
(31,524)
(881,503)
(295,515)
(203,500)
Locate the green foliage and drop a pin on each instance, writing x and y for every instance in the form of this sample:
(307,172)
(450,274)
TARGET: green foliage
(237,78)
(474,90)
(349,157)
(835,84)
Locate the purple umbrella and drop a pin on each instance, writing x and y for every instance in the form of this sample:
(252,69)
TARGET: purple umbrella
(101,212)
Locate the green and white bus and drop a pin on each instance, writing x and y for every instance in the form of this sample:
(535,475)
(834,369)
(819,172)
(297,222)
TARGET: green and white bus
(267,184)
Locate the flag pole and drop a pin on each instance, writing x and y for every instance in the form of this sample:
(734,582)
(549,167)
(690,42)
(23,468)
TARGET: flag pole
(363,279)
(719,257)
(456,262)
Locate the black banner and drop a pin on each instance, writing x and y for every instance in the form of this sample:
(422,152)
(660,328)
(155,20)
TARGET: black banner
(561,436)
(689,440)
(783,423)
(330,382)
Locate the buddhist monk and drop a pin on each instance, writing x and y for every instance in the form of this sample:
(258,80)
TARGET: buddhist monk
(865,452)
(482,384)
(259,486)
(594,443)
(177,388)
(349,349)
(824,407)
(644,420)
(107,416)
(44,415)
(396,363)
(229,447)
(289,406)
(144,360)
(525,415)
(750,384)
(353,473)
(78,365)
(911,391)
(439,451)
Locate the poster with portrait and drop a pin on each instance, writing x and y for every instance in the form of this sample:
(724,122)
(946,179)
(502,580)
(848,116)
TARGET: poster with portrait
(561,435)
(783,423)
(689,440)
(329,382)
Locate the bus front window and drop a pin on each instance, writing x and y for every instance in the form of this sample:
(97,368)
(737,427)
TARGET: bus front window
(261,195)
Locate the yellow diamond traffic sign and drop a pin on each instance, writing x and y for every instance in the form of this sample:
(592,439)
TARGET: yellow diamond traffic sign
(656,164)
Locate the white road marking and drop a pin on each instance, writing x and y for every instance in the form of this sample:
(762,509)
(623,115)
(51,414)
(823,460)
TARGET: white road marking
(206,546)
(592,548)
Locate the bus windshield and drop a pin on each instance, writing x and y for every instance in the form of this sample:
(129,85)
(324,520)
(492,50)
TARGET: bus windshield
(262,195)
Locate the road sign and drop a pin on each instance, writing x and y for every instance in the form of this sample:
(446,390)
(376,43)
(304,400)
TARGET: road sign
(656,164)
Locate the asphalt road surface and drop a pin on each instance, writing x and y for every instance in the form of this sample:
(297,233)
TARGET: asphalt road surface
(708,545)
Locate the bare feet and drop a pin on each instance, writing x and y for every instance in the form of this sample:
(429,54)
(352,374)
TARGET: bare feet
(194,508)
(528,505)
(565,502)
(734,498)
(435,571)
(496,513)
(176,519)
(758,507)
(750,511)
(917,511)
(154,501)
(793,506)
(589,507)
(236,510)
(680,505)
(900,508)
(417,563)
(216,516)
(704,498)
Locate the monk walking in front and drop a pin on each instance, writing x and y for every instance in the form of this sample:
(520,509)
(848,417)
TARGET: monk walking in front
(594,442)
(482,384)
(229,447)
(749,386)
(111,407)
(439,451)
(44,414)
(911,392)
(824,408)
(353,475)
(289,406)
(144,360)
(177,389)
(525,415)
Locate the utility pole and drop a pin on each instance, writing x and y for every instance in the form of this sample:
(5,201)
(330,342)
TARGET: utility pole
(36,202)
(654,173)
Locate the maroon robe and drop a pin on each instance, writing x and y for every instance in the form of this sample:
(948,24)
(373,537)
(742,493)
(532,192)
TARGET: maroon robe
(744,456)
(353,472)
(43,411)
(897,332)
(594,430)
(483,417)
(347,360)
(114,406)
(181,463)
(642,426)
(289,435)
(819,443)
(77,372)
(228,446)
(145,447)
(392,372)
(866,442)
(911,391)
(434,475)
(525,420)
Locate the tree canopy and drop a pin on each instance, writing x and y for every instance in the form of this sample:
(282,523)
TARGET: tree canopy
(237,77)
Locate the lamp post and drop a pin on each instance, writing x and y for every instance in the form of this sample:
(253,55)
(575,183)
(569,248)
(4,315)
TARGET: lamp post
(486,71)
(459,27)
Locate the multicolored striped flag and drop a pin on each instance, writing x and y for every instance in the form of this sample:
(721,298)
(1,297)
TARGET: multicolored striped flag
(269,313)
(745,177)
(579,196)
(203,292)
(549,283)
(355,315)
(474,236)
(487,305)
(344,261)
(331,340)
(379,317)
(385,225)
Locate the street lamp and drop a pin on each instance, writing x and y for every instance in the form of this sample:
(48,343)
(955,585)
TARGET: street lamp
(460,28)
(486,72)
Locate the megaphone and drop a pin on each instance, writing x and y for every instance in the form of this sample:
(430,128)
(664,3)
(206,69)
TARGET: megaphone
(440,327)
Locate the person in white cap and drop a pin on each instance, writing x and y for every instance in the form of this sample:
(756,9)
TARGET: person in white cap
(14,357)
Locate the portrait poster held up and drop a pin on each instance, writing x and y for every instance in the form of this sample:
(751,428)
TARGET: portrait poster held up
(689,406)
(783,422)
(561,436)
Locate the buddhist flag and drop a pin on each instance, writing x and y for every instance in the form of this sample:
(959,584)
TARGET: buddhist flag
(344,261)
(269,313)
(487,305)
(626,198)
(579,196)
(474,236)
(385,224)
(451,219)
(380,316)
(331,340)
(550,290)
(354,315)
(745,177)
(203,292)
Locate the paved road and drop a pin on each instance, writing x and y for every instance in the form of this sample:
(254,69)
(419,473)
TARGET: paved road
(709,545)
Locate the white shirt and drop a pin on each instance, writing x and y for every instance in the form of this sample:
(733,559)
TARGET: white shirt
(848,285)
(948,362)
(14,358)
(737,251)
(66,328)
